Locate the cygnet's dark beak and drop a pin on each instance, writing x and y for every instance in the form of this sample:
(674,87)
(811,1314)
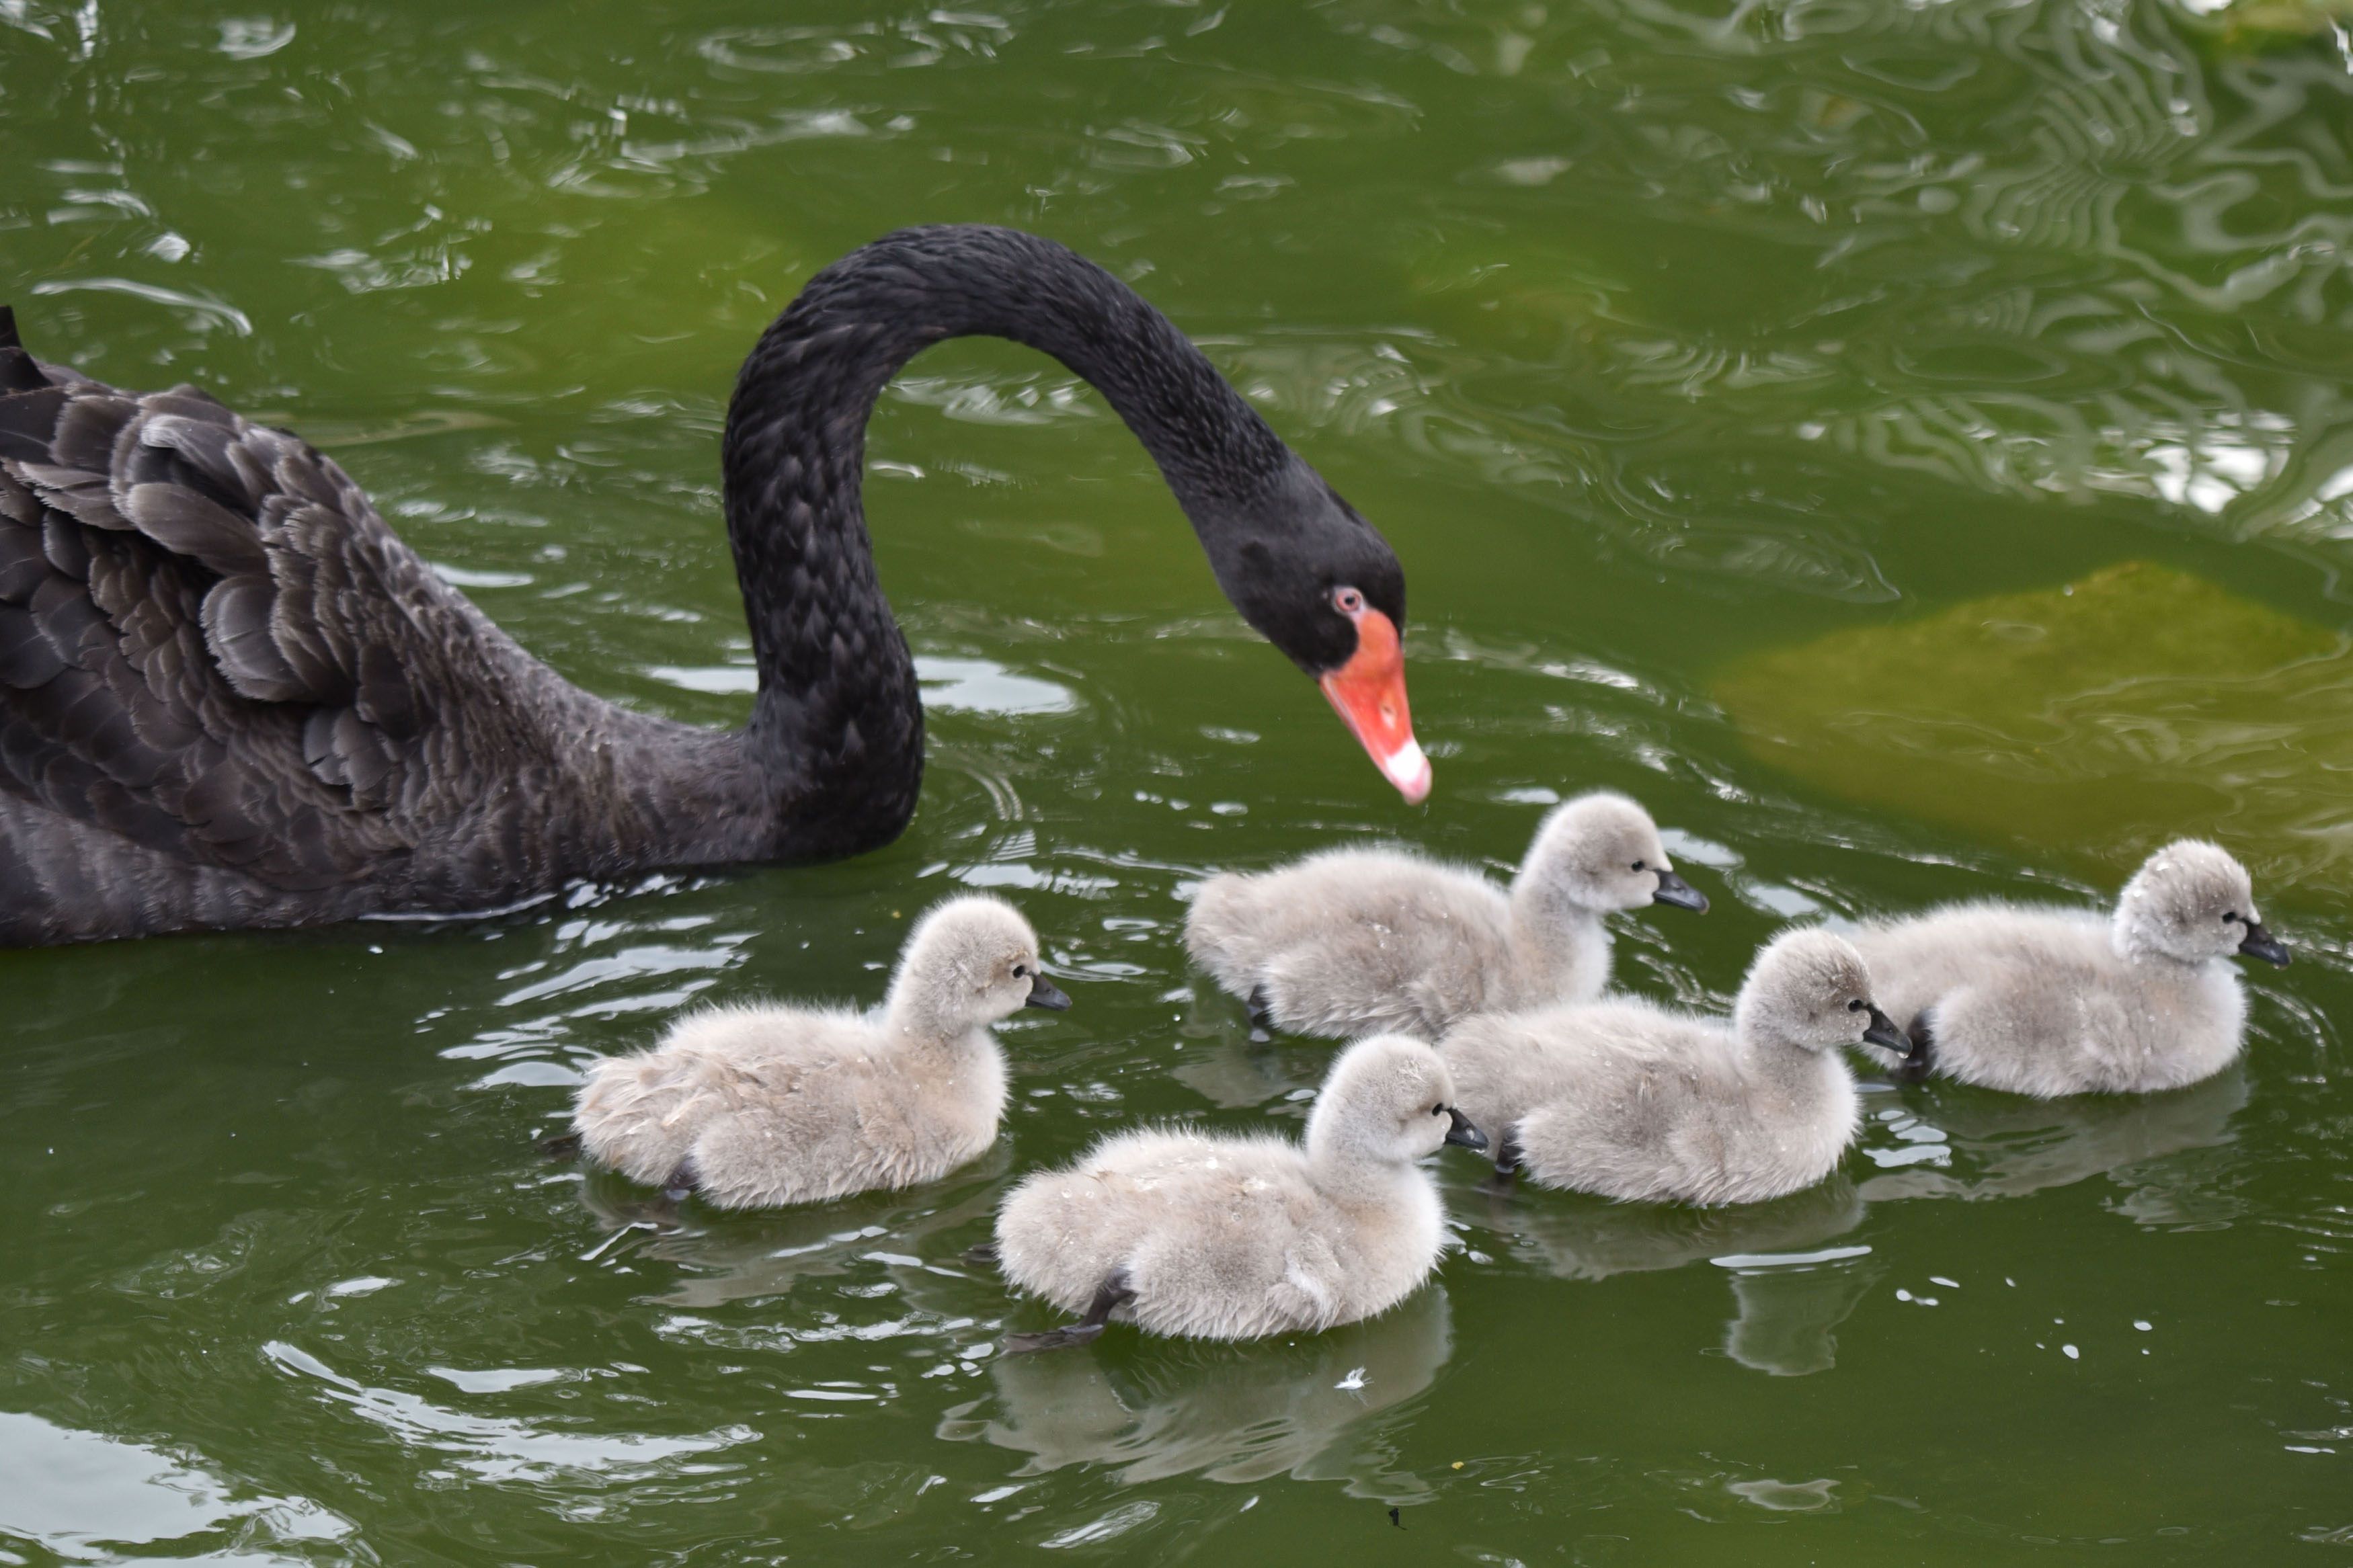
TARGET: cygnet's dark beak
(1884,1032)
(2261,943)
(1460,1131)
(1044,993)
(1673,890)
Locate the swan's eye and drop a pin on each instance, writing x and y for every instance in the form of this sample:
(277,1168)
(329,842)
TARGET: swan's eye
(1347,601)
(1439,1109)
(1855,1006)
(1020,970)
(1638,866)
(2228,919)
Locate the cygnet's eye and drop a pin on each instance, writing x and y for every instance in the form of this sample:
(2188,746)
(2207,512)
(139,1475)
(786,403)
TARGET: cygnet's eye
(2229,918)
(1347,601)
(1639,866)
(1855,1006)
(1437,1109)
(1020,970)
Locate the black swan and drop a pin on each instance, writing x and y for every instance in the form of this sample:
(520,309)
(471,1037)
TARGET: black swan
(231,697)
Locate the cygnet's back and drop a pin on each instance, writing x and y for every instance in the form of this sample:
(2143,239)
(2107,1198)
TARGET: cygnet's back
(2050,1001)
(1229,1238)
(755,1106)
(1634,1100)
(1915,960)
(1356,942)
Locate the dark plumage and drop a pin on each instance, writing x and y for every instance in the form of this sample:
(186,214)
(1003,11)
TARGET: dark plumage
(230,696)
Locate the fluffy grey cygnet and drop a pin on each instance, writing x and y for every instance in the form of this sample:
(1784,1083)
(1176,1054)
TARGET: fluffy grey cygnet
(1359,942)
(753,1107)
(1634,1100)
(2051,1001)
(1224,1238)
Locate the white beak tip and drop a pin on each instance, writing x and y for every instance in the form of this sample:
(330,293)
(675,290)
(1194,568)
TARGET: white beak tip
(1409,769)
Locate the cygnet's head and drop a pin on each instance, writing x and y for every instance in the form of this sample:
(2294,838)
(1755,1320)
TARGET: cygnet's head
(969,962)
(1601,852)
(1809,988)
(2191,902)
(1390,1100)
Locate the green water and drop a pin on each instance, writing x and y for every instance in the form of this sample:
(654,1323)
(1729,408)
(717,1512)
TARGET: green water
(1660,341)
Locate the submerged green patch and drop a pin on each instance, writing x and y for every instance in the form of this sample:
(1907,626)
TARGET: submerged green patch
(2102,717)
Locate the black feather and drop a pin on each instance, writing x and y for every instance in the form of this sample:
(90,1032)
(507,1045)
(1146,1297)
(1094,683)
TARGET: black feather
(16,502)
(62,546)
(188,523)
(27,658)
(27,420)
(22,565)
(86,433)
(237,629)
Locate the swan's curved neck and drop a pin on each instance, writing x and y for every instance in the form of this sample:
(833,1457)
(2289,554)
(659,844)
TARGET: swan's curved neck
(839,726)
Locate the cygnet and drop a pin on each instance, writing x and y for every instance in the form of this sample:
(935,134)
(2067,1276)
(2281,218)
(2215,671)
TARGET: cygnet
(2055,1000)
(1232,1238)
(752,1106)
(1357,941)
(1635,1100)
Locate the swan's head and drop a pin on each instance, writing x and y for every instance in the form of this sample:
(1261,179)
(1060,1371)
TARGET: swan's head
(1602,851)
(1809,988)
(1320,583)
(1389,1100)
(2191,902)
(969,962)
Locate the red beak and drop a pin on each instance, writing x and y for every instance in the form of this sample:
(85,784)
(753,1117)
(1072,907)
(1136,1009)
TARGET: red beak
(1368,691)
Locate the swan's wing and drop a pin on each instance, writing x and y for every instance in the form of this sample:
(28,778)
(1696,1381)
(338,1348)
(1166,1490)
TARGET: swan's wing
(211,645)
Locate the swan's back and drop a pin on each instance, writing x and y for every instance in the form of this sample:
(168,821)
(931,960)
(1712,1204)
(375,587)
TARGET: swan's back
(773,1105)
(641,1114)
(1228,1188)
(1230,1206)
(1220,1237)
(1637,1102)
(229,695)
(1627,1060)
(1915,960)
(1357,941)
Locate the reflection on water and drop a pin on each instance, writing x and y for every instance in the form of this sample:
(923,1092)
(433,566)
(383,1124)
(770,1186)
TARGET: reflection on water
(723,1257)
(1791,1285)
(1234,1076)
(504,1450)
(1788,1307)
(1234,1413)
(83,1496)
(976,685)
(1576,1236)
(2006,1146)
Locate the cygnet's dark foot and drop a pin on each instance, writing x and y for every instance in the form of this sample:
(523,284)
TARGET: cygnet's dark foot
(1115,1293)
(1507,1166)
(1053,1339)
(983,1256)
(562,1146)
(1261,1009)
(679,1185)
(1915,1068)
